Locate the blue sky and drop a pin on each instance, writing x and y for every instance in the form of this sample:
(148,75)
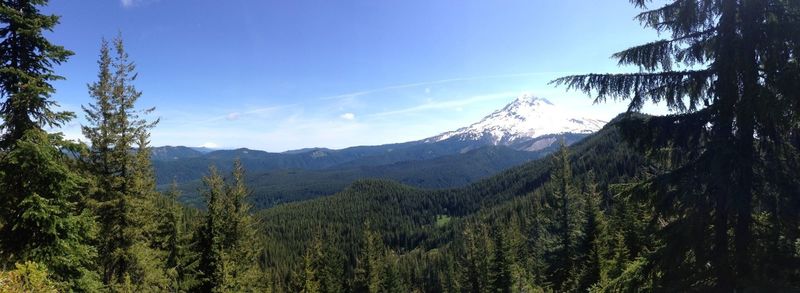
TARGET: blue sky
(280,75)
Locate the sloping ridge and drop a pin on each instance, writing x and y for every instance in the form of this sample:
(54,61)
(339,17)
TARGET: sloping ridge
(406,213)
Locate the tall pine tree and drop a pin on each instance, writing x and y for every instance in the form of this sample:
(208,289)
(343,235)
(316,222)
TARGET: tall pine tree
(125,189)
(227,239)
(729,69)
(369,264)
(567,205)
(41,215)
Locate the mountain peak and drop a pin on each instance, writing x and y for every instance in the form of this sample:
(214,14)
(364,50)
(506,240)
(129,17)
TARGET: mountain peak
(525,118)
(529,99)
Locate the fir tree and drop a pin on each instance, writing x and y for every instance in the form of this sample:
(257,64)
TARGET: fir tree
(241,233)
(501,265)
(569,219)
(392,279)
(226,240)
(125,192)
(594,245)
(330,267)
(212,235)
(172,239)
(41,216)
(27,59)
(47,225)
(369,265)
(309,282)
(726,69)
(476,261)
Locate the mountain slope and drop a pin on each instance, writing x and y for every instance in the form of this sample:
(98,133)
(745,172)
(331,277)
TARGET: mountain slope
(281,186)
(531,126)
(166,153)
(409,219)
(522,121)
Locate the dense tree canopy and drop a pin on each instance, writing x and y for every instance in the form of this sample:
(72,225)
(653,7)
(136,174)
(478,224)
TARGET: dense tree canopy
(703,199)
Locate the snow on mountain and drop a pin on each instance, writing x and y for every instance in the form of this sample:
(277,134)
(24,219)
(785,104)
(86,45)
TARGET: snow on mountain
(526,118)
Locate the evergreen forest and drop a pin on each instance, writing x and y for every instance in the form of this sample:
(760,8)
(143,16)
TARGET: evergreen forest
(706,199)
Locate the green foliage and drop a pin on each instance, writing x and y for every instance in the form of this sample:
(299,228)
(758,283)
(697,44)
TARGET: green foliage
(369,264)
(465,254)
(227,255)
(709,201)
(273,187)
(124,195)
(41,213)
(42,217)
(26,72)
(730,71)
(27,277)
(502,263)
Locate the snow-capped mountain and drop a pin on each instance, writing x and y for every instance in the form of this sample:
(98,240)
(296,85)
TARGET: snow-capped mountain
(528,123)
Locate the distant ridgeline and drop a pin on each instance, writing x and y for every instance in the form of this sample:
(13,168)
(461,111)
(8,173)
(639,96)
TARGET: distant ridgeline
(526,129)
(443,232)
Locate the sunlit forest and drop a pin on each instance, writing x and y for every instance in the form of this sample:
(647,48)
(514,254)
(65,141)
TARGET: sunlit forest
(705,199)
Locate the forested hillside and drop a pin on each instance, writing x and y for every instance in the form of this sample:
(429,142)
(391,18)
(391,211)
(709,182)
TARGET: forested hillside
(305,174)
(706,199)
(423,229)
(282,186)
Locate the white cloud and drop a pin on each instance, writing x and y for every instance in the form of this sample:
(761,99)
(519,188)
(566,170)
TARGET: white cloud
(233,116)
(442,81)
(263,111)
(209,145)
(451,104)
(134,3)
(348,116)
(427,90)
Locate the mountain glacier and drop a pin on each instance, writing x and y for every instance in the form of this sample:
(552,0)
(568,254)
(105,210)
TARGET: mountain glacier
(528,123)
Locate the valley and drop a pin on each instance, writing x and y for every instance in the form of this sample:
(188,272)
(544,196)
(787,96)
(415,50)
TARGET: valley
(528,128)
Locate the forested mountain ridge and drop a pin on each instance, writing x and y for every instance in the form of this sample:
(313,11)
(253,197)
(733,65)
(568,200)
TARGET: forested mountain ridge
(527,124)
(525,129)
(281,186)
(414,223)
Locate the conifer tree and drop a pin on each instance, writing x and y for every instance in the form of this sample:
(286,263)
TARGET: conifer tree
(476,261)
(501,265)
(330,267)
(369,265)
(729,70)
(41,216)
(309,282)
(392,279)
(125,193)
(569,219)
(594,244)
(27,59)
(47,225)
(226,240)
(540,238)
(241,232)
(212,235)
(172,240)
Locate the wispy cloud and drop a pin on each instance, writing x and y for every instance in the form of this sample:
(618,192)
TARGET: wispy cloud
(237,115)
(348,116)
(134,3)
(450,104)
(441,81)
